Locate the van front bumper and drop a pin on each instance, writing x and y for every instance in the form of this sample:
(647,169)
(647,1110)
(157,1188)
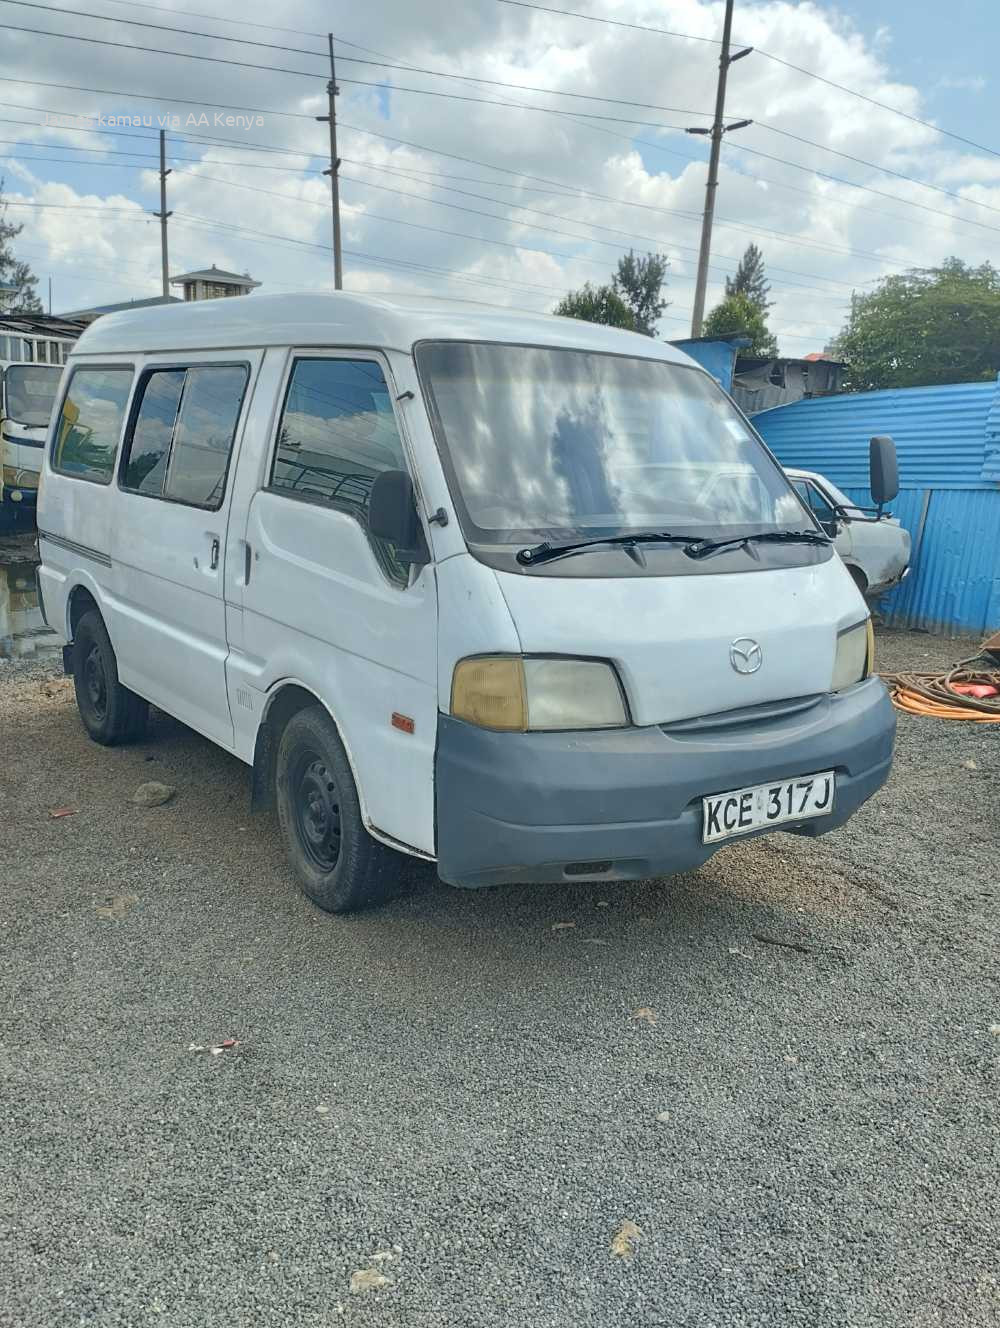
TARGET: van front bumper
(624,804)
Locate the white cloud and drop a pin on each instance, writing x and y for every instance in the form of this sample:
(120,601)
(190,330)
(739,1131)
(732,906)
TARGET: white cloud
(820,237)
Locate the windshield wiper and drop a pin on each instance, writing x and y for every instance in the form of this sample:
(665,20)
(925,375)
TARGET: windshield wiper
(545,552)
(706,548)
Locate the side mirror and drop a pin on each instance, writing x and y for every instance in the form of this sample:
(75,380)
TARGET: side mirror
(882,469)
(392,515)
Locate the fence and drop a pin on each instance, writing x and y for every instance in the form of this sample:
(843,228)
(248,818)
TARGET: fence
(948,440)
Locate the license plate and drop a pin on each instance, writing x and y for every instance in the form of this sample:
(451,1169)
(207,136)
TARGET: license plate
(746,809)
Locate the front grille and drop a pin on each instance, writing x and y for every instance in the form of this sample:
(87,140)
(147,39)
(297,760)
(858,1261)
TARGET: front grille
(755,714)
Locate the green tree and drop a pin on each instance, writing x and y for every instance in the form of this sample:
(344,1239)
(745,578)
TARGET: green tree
(925,326)
(738,313)
(12,272)
(633,299)
(639,282)
(597,304)
(750,279)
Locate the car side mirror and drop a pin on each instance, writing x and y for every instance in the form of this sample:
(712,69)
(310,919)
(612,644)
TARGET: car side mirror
(883,470)
(392,515)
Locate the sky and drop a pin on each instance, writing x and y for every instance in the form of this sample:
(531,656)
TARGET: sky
(510,195)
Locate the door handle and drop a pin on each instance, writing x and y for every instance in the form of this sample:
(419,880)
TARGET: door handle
(214,560)
(247,563)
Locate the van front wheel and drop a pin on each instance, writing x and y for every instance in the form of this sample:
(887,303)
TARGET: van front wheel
(339,865)
(110,712)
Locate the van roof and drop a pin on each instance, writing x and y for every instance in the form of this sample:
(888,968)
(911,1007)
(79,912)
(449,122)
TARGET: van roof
(344,318)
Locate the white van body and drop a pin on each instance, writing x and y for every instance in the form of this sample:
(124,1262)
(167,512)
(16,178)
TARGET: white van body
(876,550)
(703,675)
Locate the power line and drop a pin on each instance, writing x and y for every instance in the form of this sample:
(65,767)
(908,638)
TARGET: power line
(512,105)
(427,92)
(562,189)
(541,110)
(264,235)
(728,223)
(354,82)
(145,96)
(137,211)
(398,221)
(622,202)
(386,63)
(218,18)
(560,185)
(688,216)
(767,55)
(136,166)
(418,178)
(777,59)
(811,170)
(210,223)
(478,238)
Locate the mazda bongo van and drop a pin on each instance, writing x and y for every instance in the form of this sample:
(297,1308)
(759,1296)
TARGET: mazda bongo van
(520,595)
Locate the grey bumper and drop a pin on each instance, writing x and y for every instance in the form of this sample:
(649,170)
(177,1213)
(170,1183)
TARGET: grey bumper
(626,803)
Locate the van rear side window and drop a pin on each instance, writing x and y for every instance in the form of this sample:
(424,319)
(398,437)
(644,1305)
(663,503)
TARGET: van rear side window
(90,423)
(182,433)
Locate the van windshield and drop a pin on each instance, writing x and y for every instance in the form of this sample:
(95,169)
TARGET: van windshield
(31,390)
(542,442)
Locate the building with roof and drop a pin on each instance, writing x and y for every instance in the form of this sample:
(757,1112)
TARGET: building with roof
(213,283)
(764,382)
(99,310)
(210,283)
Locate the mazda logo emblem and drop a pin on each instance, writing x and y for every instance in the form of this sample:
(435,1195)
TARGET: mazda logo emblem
(745,655)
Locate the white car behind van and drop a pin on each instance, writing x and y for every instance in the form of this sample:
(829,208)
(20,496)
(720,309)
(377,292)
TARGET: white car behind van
(874,547)
(452,582)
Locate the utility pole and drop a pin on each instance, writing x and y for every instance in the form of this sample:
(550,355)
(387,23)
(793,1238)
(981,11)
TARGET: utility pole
(163,214)
(50,297)
(334,170)
(719,127)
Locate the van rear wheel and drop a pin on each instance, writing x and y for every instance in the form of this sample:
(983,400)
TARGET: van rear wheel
(110,712)
(339,865)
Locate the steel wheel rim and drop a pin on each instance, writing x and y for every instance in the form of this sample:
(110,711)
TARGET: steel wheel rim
(316,808)
(96,682)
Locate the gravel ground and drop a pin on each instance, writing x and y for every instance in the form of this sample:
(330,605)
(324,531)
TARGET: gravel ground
(782,1068)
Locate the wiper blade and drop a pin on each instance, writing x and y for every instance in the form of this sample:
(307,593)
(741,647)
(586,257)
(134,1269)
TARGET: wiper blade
(545,552)
(706,548)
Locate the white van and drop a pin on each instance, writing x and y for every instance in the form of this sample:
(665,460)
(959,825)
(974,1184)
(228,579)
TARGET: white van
(447,578)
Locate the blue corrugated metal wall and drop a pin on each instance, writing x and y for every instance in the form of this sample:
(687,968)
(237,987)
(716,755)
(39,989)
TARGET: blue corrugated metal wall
(948,439)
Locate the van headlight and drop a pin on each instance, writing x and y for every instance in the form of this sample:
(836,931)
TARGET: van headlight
(855,655)
(515,694)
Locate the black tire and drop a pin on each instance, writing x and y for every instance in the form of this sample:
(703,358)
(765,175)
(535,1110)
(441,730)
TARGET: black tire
(110,712)
(339,865)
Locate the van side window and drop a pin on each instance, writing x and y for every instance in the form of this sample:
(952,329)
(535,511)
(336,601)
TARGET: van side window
(337,433)
(182,433)
(149,446)
(90,423)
